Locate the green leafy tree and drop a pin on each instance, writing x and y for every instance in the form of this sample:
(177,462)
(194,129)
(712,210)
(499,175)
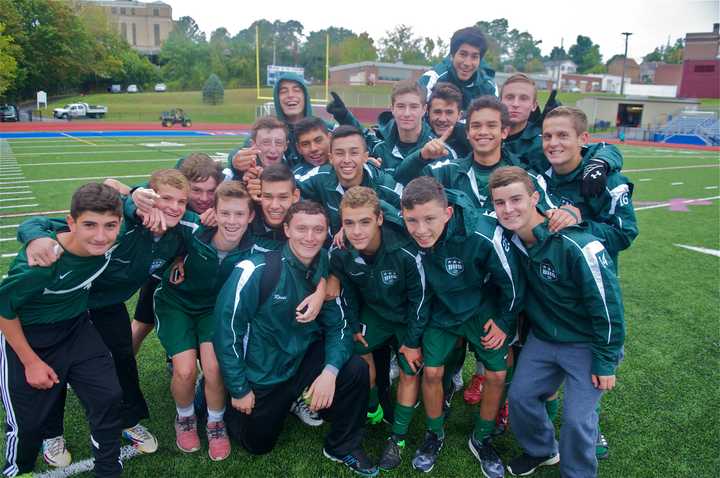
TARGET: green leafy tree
(585,54)
(356,49)
(213,91)
(184,57)
(667,53)
(8,65)
(435,50)
(312,52)
(558,53)
(401,45)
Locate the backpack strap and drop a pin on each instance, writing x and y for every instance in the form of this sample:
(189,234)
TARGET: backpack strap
(270,275)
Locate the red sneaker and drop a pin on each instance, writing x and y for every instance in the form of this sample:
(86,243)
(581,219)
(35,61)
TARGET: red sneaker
(218,441)
(474,392)
(186,435)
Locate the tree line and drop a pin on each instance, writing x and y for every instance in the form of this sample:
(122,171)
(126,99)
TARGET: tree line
(70,46)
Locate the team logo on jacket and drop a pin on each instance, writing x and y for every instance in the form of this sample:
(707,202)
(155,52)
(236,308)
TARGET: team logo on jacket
(454,266)
(389,277)
(156,264)
(547,270)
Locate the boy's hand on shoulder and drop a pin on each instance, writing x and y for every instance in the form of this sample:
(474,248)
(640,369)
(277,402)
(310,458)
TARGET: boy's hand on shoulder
(43,252)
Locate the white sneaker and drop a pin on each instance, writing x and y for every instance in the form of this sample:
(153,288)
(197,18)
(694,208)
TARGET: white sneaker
(54,452)
(141,439)
(458,381)
(300,409)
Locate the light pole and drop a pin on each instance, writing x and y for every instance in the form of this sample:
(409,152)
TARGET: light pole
(622,81)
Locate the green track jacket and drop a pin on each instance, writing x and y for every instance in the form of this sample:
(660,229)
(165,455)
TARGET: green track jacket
(610,216)
(392,285)
(321,184)
(260,345)
(573,293)
(482,82)
(472,272)
(138,254)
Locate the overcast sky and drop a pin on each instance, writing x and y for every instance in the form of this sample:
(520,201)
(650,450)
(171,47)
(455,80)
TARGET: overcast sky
(651,21)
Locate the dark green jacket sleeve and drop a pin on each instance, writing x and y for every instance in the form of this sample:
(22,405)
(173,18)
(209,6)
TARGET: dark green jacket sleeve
(593,272)
(349,293)
(236,304)
(414,166)
(502,264)
(616,225)
(37,227)
(338,337)
(608,153)
(388,189)
(418,312)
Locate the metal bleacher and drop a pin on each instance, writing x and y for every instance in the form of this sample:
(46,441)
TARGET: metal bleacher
(699,127)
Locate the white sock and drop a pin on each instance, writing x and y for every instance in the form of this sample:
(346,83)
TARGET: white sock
(215,415)
(184,412)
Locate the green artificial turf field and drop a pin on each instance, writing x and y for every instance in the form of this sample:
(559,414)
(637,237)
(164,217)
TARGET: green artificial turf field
(661,420)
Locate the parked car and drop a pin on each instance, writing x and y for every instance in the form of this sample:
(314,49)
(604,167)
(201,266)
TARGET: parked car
(133,89)
(80,110)
(9,113)
(115,88)
(160,87)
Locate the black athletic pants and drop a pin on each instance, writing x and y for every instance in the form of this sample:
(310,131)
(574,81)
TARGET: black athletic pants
(75,351)
(258,432)
(113,325)
(144,311)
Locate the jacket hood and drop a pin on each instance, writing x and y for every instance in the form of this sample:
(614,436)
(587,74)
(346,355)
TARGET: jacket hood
(289,76)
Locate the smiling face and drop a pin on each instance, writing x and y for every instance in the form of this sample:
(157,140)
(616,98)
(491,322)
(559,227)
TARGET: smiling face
(519,97)
(466,61)
(314,146)
(443,115)
(348,156)
(172,202)
(93,233)
(292,100)
(306,234)
(485,132)
(272,144)
(562,145)
(426,222)
(275,199)
(233,216)
(408,110)
(362,228)
(515,206)
(202,195)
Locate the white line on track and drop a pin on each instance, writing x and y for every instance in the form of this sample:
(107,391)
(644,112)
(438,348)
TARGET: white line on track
(90,178)
(19,205)
(666,204)
(129,161)
(671,167)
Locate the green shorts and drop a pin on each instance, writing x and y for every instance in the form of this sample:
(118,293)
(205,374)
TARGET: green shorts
(378,332)
(179,329)
(438,343)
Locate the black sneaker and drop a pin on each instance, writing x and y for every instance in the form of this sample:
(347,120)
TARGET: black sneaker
(525,465)
(426,456)
(357,461)
(392,454)
(490,463)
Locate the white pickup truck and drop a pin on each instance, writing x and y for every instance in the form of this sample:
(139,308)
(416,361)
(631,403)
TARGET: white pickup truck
(80,110)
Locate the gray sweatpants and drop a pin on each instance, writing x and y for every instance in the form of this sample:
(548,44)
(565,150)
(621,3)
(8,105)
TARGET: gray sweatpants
(542,368)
